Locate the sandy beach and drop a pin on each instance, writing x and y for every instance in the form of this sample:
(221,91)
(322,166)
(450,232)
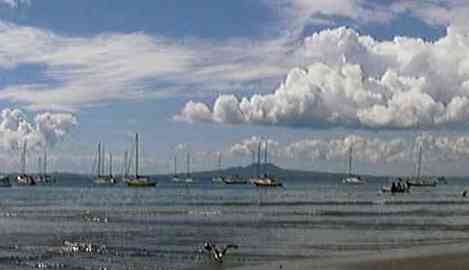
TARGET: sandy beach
(457,261)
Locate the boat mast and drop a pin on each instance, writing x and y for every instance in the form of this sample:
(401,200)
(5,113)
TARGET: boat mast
(99,159)
(45,161)
(136,155)
(39,165)
(219,161)
(23,158)
(259,146)
(266,142)
(110,164)
(125,171)
(175,166)
(103,160)
(188,161)
(350,161)
(419,163)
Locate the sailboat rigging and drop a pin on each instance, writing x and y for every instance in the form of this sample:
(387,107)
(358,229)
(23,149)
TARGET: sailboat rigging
(352,179)
(23,178)
(138,180)
(101,178)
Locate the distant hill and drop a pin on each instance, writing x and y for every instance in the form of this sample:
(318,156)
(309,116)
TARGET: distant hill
(271,169)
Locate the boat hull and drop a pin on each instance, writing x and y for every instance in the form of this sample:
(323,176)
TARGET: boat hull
(135,184)
(141,182)
(25,180)
(353,181)
(268,185)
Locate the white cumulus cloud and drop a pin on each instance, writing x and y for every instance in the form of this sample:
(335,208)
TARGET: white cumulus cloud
(45,130)
(356,81)
(364,148)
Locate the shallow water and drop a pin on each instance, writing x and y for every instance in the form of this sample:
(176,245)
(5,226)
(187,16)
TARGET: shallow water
(164,227)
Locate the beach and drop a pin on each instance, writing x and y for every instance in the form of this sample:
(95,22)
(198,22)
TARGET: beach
(455,261)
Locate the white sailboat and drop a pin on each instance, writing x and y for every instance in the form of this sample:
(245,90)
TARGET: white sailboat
(188,178)
(42,177)
(176,177)
(138,180)
(419,180)
(219,178)
(23,178)
(101,178)
(265,180)
(352,179)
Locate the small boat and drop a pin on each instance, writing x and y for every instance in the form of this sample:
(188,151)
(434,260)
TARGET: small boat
(105,180)
(234,180)
(218,179)
(176,179)
(397,186)
(139,181)
(25,180)
(422,183)
(352,179)
(267,182)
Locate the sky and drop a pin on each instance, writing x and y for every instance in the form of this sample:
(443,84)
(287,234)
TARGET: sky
(313,78)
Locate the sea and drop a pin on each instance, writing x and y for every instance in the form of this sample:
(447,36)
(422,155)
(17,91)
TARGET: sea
(304,225)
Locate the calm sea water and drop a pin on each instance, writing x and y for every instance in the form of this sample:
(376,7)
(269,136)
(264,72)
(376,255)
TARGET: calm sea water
(47,227)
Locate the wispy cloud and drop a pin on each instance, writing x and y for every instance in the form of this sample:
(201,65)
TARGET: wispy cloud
(85,71)
(14,3)
(300,13)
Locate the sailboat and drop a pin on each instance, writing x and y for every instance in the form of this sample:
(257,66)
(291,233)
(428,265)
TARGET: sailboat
(137,180)
(418,180)
(352,179)
(266,180)
(176,177)
(102,179)
(188,178)
(43,177)
(23,178)
(125,167)
(219,178)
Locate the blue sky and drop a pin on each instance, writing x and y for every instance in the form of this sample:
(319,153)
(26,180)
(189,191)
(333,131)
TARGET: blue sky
(119,67)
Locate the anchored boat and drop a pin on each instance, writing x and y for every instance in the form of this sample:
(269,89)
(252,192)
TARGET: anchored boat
(102,179)
(352,179)
(24,179)
(138,180)
(419,180)
(266,180)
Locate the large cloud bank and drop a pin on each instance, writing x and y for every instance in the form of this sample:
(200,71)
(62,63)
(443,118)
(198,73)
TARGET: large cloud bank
(356,81)
(44,131)
(365,148)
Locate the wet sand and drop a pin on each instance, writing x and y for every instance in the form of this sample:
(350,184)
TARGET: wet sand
(458,261)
